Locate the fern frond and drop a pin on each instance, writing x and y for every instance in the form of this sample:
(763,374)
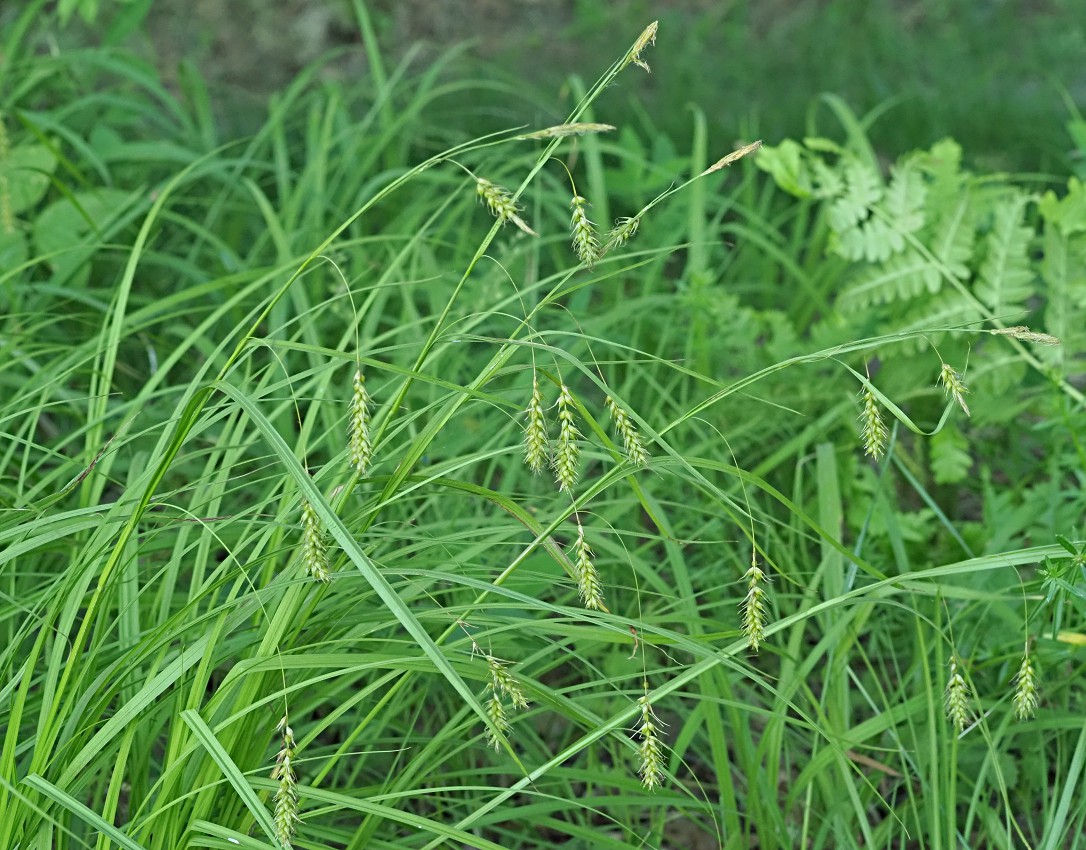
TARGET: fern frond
(828,183)
(1063,270)
(950,458)
(943,167)
(947,309)
(787,164)
(1003,281)
(902,277)
(905,199)
(863,189)
(954,236)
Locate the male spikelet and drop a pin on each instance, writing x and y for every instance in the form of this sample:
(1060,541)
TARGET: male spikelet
(500,203)
(631,440)
(585,243)
(560,131)
(957,696)
(505,683)
(754,607)
(588,578)
(535,430)
(567,453)
(359,441)
(1026,335)
(314,547)
(953,386)
(734,156)
(650,754)
(873,430)
(644,40)
(286,793)
(1025,689)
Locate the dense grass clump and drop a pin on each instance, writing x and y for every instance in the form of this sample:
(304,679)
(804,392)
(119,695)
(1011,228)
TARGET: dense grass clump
(371,483)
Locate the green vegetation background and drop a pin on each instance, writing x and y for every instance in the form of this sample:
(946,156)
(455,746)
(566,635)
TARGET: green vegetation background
(996,76)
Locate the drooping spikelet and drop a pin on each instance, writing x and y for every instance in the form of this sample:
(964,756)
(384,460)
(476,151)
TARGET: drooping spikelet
(1025,689)
(588,578)
(314,547)
(755,606)
(957,696)
(495,710)
(505,683)
(873,430)
(651,767)
(502,683)
(585,243)
(567,453)
(359,441)
(286,794)
(535,430)
(620,234)
(500,203)
(631,440)
(954,386)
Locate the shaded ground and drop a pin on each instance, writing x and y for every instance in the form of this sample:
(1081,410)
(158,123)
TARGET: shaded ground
(996,76)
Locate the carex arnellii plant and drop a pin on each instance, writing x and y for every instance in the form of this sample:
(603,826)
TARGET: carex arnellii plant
(186,322)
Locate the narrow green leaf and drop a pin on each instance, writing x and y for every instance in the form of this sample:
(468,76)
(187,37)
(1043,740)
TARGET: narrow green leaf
(232,772)
(81,811)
